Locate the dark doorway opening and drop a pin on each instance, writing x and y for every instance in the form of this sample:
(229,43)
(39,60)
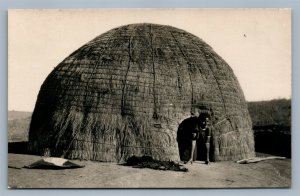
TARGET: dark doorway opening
(184,139)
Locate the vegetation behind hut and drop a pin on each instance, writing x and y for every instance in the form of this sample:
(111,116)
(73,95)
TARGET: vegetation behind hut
(272,126)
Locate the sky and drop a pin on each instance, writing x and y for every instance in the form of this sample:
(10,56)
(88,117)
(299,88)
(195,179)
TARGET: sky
(256,43)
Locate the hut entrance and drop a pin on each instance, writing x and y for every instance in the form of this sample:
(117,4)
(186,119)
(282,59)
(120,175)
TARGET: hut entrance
(185,136)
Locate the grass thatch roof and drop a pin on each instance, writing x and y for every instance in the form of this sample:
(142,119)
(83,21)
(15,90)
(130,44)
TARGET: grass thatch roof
(125,92)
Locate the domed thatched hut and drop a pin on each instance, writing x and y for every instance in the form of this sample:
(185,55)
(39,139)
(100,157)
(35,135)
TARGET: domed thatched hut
(125,93)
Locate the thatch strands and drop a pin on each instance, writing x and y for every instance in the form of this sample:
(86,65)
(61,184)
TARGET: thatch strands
(125,93)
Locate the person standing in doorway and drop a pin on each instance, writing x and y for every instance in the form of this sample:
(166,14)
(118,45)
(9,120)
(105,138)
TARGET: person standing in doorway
(202,129)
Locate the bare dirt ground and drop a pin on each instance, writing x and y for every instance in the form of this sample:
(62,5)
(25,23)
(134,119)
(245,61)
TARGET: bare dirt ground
(228,174)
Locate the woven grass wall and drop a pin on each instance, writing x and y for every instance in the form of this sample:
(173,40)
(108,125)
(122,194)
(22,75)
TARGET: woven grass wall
(125,93)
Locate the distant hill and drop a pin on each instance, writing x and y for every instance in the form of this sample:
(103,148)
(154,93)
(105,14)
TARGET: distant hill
(274,112)
(271,122)
(18,125)
(12,115)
